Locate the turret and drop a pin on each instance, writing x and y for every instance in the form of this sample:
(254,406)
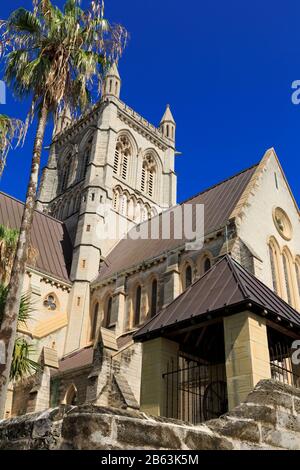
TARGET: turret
(112,82)
(167,124)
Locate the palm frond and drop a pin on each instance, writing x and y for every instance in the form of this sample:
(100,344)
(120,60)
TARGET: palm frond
(53,51)
(22,365)
(24,21)
(25,309)
(11,130)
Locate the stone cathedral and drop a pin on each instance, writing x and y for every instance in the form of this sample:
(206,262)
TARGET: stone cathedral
(110,313)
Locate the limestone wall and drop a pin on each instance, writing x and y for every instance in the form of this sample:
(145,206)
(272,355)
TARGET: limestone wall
(268,419)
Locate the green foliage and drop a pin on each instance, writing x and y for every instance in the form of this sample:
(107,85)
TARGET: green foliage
(8,244)
(59,56)
(10,130)
(22,365)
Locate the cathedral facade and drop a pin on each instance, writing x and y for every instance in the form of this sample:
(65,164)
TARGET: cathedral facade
(92,293)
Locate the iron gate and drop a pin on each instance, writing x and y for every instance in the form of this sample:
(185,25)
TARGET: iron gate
(195,391)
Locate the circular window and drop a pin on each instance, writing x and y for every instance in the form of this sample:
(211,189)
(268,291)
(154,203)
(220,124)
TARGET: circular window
(50,302)
(283,223)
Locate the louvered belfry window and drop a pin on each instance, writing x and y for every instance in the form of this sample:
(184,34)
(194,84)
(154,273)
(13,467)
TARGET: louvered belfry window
(148,176)
(123,153)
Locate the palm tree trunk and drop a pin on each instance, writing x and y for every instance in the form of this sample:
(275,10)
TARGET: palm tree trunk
(10,318)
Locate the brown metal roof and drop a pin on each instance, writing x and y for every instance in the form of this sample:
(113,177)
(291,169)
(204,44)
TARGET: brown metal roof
(219,202)
(226,285)
(80,358)
(48,235)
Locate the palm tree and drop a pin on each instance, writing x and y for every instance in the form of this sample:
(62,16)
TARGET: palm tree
(10,129)
(57,57)
(8,244)
(22,365)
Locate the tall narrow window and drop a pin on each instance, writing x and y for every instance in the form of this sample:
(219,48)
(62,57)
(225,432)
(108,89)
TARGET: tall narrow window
(188,276)
(154,298)
(150,183)
(148,175)
(143,179)
(94,322)
(116,161)
(124,167)
(86,158)
(122,155)
(108,312)
(273,270)
(123,205)
(137,306)
(116,199)
(66,172)
(287,278)
(298,276)
(207,265)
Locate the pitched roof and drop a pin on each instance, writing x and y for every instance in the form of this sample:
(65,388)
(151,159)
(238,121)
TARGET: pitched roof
(227,284)
(219,202)
(80,358)
(48,235)
(168,116)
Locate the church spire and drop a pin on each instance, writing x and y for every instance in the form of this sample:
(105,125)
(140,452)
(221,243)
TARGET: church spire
(167,124)
(112,82)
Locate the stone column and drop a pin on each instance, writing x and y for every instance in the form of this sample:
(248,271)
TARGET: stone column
(171,279)
(9,401)
(39,396)
(246,354)
(157,354)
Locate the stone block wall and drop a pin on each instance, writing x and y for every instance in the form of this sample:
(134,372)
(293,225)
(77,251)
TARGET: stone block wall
(268,419)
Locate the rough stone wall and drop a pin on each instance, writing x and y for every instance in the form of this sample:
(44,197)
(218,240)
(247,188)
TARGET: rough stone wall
(268,419)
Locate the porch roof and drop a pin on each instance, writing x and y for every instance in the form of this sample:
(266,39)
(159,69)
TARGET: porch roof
(226,288)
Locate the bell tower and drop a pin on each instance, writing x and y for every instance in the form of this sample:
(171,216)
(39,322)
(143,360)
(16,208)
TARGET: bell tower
(110,164)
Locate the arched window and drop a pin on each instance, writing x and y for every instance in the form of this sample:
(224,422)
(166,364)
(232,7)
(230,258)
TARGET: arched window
(298,275)
(77,202)
(123,204)
(131,208)
(287,277)
(206,264)
(122,154)
(154,298)
(273,270)
(108,312)
(66,172)
(86,157)
(71,395)
(94,322)
(116,199)
(275,266)
(148,175)
(137,306)
(188,276)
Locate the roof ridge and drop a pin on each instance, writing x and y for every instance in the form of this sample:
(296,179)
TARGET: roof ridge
(36,210)
(219,183)
(237,275)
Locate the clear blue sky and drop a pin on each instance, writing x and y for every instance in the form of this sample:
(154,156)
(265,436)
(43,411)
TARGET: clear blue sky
(226,68)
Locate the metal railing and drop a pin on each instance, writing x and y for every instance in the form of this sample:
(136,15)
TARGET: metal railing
(195,391)
(282,367)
